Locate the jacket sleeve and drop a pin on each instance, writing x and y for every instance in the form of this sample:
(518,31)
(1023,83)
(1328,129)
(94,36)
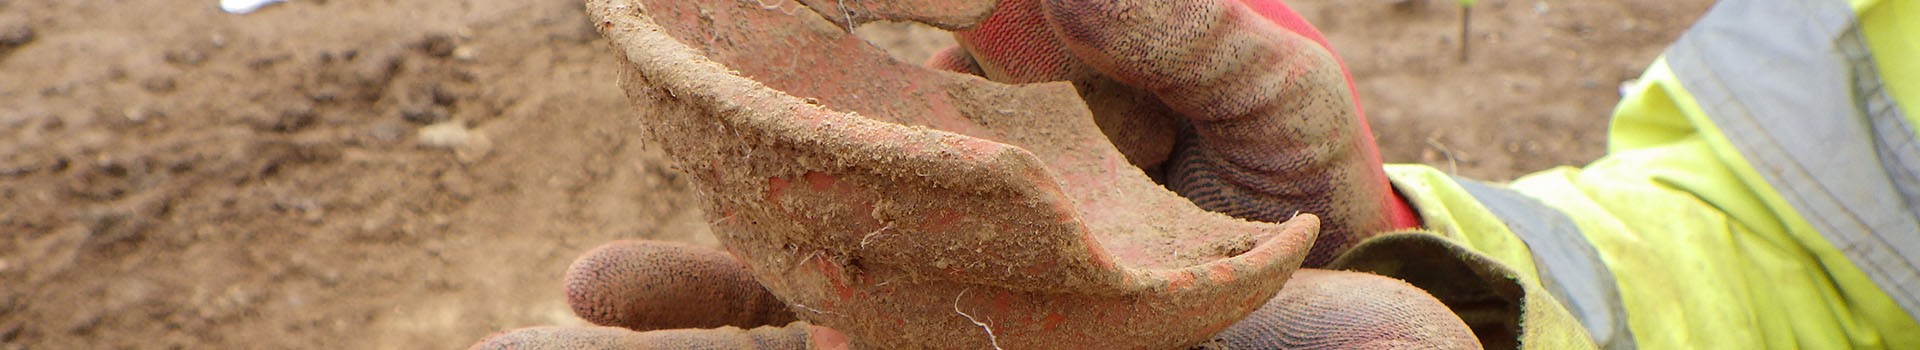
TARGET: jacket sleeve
(1698,250)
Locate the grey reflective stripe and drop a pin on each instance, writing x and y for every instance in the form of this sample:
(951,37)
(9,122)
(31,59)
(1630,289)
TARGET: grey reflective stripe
(1569,266)
(1793,87)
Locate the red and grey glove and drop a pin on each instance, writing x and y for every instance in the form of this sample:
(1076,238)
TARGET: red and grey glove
(1240,107)
(1237,105)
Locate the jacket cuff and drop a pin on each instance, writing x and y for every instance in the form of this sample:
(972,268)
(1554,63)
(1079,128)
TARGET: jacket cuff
(1504,310)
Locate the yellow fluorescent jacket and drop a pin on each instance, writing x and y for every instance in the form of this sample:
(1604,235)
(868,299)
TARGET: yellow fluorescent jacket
(1761,190)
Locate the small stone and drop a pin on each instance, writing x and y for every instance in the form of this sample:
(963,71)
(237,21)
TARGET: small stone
(478,148)
(468,145)
(158,85)
(447,135)
(14,32)
(287,120)
(266,62)
(437,45)
(442,96)
(294,118)
(465,54)
(140,115)
(424,114)
(185,57)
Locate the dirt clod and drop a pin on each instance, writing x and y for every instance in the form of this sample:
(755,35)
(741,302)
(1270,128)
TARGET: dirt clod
(158,85)
(15,31)
(469,145)
(185,57)
(288,119)
(424,114)
(445,135)
(437,45)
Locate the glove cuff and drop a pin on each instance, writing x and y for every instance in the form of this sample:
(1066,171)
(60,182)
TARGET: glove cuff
(1504,309)
(1400,212)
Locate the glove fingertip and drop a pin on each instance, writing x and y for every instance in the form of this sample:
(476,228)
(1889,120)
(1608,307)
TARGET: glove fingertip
(595,283)
(1350,310)
(648,285)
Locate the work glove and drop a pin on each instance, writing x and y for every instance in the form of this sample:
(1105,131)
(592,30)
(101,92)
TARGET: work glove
(1237,105)
(671,292)
(659,295)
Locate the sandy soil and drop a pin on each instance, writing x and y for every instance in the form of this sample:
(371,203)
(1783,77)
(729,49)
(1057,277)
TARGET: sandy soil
(390,174)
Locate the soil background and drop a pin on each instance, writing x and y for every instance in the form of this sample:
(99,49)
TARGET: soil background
(418,174)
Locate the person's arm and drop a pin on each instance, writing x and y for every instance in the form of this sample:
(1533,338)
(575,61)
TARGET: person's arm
(1696,246)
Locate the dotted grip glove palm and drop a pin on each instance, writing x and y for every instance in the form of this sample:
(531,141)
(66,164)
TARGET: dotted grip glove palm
(659,295)
(1239,107)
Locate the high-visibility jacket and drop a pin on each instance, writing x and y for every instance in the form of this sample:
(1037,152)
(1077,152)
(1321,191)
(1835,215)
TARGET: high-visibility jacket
(1761,190)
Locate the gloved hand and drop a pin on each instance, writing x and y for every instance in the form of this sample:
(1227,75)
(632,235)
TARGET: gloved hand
(1237,105)
(1239,108)
(685,297)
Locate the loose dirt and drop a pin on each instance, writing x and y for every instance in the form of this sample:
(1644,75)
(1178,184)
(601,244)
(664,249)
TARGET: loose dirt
(418,174)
